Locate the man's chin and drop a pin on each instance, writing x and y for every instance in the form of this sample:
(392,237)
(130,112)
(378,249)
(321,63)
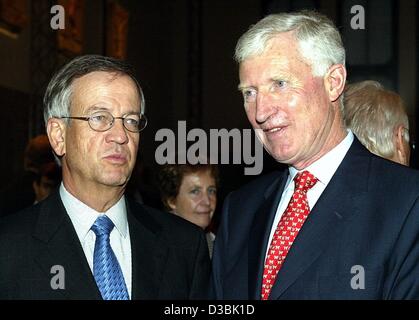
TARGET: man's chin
(115,180)
(280,155)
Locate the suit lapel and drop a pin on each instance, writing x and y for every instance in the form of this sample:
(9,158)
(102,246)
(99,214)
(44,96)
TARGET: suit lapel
(60,246)
(342,198)
(149,255)
(259,235)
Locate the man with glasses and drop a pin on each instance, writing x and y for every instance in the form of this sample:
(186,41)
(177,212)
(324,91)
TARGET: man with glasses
(88,240)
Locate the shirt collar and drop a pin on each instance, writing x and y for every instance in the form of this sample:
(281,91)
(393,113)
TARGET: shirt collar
(83,217)
(325,167)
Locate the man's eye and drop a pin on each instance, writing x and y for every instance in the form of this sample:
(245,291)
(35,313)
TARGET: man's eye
(132,121)
(249,95)
(98,118)
(280,83)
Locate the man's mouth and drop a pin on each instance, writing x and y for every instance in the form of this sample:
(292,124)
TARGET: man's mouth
(116,158)
(273,129)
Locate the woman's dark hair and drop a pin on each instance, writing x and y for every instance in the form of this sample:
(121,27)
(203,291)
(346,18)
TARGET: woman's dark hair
(171,175)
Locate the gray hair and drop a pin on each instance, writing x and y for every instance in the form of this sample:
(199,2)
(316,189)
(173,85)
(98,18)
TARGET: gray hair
(318,38)
(373,114)
(57,98)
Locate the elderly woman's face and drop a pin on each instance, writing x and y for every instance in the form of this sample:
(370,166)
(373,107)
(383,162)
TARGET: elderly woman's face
(197,198)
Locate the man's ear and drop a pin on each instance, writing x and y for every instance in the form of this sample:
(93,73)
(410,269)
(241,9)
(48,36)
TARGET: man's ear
(402,149)
(334,81)
(56,133)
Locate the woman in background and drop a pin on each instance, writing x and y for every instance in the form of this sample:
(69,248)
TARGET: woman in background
(190,191)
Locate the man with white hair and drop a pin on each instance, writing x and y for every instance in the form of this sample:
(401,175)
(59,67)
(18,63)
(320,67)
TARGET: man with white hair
(378,118)
(340,223)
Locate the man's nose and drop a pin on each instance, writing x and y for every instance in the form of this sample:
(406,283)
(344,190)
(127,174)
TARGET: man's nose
(117,133)
(264,107)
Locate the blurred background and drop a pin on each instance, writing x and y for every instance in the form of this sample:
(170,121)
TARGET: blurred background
(182,51)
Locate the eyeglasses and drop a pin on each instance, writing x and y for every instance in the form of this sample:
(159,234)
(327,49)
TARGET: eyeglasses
(103,121)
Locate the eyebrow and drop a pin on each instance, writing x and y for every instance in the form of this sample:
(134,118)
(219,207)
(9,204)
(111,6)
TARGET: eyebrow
(96,108)
(102,108)
(240,87)
(199,186)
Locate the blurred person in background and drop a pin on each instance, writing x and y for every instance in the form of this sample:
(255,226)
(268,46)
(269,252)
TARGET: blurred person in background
(190,191)
(378,118)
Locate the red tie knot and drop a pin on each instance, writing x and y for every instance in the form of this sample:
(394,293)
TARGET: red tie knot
(304,181)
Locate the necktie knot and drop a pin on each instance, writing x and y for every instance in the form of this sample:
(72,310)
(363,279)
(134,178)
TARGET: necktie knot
(304,181)
(102,226)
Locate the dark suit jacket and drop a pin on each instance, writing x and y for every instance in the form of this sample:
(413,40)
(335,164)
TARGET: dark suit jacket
(169,255)
(366,222)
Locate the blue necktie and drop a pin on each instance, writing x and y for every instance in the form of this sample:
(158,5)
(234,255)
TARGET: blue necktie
(106,269)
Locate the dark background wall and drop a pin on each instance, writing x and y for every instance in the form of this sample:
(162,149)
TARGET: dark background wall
(182,51)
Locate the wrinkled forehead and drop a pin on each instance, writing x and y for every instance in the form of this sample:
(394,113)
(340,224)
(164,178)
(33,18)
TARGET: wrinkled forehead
(105,90)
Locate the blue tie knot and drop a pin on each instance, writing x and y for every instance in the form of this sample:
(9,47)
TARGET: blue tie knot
(102,226)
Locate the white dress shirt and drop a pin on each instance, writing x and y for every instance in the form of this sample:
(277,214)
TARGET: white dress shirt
(83,217)
(323,169)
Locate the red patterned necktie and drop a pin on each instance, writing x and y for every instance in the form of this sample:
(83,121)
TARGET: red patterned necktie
(291,221)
